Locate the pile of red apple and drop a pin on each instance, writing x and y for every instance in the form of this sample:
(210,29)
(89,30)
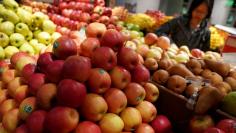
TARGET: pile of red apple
(99,87)
(76,14)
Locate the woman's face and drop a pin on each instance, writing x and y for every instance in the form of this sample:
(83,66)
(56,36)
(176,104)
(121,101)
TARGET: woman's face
(200,12)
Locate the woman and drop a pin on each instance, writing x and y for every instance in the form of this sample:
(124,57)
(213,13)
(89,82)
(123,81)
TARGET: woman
(191,29)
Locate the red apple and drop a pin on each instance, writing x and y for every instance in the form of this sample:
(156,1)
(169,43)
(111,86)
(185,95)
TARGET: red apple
(152,92)
(88,7)
(147,110)
(144,128)
(15,57)
(115,106)
(104,19)
(6,106)
(64,47)
(128,58)
(74,35)
(120,77)
(213,130)
(63,5)
(227,125)
(99,81)
(71,5)
(197,53)
(131,117)
(107,11)
(98,9)
(150,39)
(27,106)
(140,74)
(21,129)
(71,93)
(43,60)
(161,124)
(113,39)
(94,107)
(95,30)
(111,123)
(35,121)
(76,15)
(88,46)
(36,80)
(87,127)
(10,120)
(84,17)
(95,17)
(54,70)
(66,12)
(27,71)
(46,95)
(77,68)
(113,19)
(3,66)
(199,124)
(135,93)
(61,120)
(111,26)
(104,57)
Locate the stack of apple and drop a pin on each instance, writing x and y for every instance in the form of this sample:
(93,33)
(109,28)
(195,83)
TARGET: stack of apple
(74,15)
(22,30)
(102,87)
(37,6)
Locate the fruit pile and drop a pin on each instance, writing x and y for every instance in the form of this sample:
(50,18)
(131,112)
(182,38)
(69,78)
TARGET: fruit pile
(75,14)
(23,30)
(74,89)
(37,6)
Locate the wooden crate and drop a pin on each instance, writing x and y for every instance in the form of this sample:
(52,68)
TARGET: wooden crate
(174,107)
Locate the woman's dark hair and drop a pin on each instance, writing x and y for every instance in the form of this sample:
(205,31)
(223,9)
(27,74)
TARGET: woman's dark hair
(196,3)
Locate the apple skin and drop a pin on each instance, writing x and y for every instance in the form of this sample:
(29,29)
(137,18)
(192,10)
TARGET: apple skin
(227,125)
(99,81)
(200,123)
(140,74)
(96,30)
(152,92)
(15,57)
(45,95)
(36,80)
(150,39)
(144,128)
(111,123)
(21,93)
(197,53)
(87,127)
(35,121)
(131,118)
(77,68)
(94,107)
(161,124)
(115,106)
(54,71)
(13,85)
(128,58)
(113,39)
(8,75)
(88,46)
(10,120)
(120,77)
(27,71)
(61,120)
(21,129)
(43,60)
(71,93)
(104,57)
(6,106)
(3,96)
(147,110)
(135,93)
(213,130)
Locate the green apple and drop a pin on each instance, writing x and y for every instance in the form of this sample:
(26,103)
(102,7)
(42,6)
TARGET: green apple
(26,47)
(1,20)
(154,53)
(25,16)
(38,18)
(12,4)
(136,27)
(27,8)
(2,7)
(7,27)
(4,39)
(2,53)
(28,36)
(17,39)
(22,28)
(44,37)
(129,26)
(35,34)
(49,26)
(39,47)
(120,23)
(10,50)
(10,15)
(34,43)
(55,36)
(134,34)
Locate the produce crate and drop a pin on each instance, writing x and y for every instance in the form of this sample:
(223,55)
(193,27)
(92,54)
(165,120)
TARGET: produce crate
(174,107)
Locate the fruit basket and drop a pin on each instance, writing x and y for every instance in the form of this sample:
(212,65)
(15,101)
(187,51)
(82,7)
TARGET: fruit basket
(173,105)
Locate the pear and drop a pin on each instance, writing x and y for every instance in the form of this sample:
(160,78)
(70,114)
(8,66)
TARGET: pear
(220,67)
(17,39)
(26,47)
(22,28)
(7,27)
(25,16)
(2,53)
(44,37)
(10,15)
(49,26)
(4,39)
(10,50)
(12,4)
(29,36)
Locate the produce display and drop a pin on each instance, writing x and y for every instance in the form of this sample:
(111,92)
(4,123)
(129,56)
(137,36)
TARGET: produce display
(81,67)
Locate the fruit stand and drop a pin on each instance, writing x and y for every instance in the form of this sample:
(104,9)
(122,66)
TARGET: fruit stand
(81,67)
